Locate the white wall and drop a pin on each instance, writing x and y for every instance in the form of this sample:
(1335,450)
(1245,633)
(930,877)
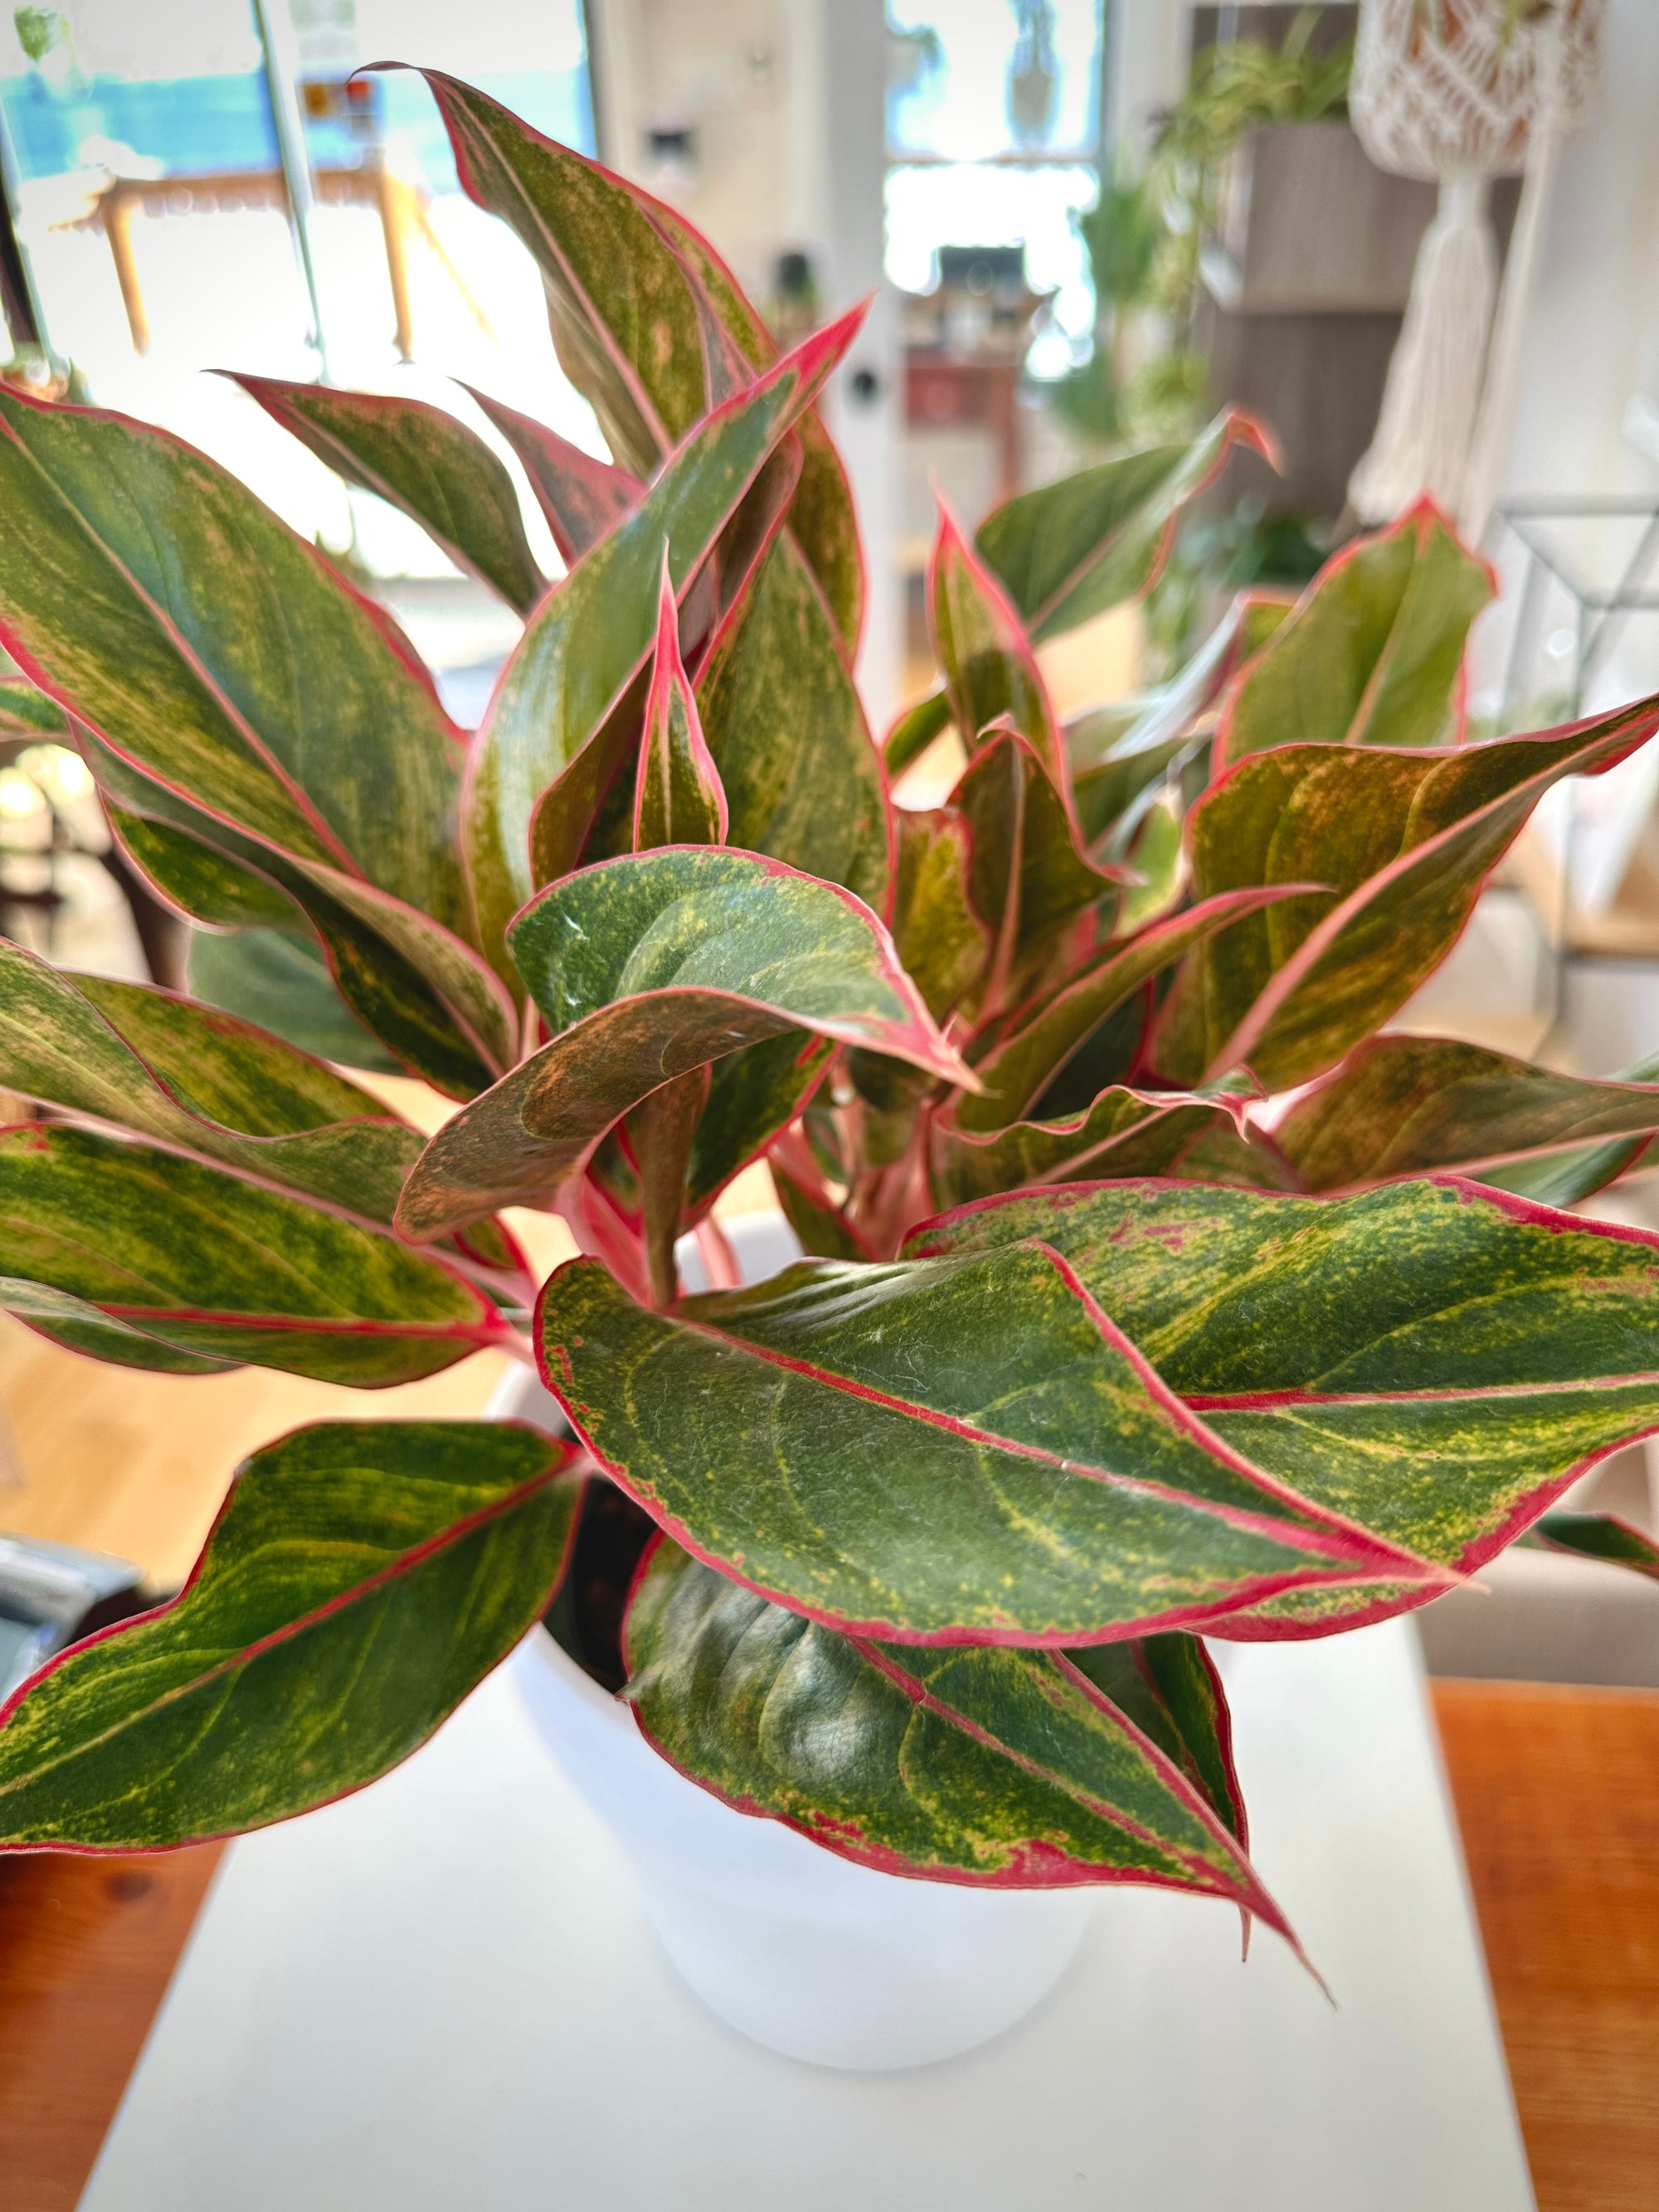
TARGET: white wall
(1592,338)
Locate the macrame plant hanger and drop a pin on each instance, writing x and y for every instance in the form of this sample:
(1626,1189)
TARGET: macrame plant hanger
(1458,92)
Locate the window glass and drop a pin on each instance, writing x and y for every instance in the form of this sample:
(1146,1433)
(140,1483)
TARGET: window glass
(993,123)
(152,210)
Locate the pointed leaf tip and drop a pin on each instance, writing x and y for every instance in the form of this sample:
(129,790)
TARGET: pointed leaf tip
(679,798)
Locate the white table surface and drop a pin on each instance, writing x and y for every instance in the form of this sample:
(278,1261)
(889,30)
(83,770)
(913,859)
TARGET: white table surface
(442,1993)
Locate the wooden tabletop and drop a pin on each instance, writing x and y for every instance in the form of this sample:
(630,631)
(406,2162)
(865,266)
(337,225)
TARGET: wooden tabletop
(1557,1790)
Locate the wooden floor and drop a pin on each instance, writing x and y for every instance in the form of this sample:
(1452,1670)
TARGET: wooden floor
(1557,1792)
(137,1464)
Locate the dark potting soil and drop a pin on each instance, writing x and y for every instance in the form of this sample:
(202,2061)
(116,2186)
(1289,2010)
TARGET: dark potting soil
(586,1618)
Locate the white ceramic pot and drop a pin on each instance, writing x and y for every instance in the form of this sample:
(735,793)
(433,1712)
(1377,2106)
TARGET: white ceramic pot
(805,1952)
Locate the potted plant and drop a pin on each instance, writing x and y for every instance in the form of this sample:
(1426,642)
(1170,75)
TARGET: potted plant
(1158,1293)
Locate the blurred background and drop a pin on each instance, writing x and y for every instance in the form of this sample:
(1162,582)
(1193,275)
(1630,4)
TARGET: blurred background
(1083,224)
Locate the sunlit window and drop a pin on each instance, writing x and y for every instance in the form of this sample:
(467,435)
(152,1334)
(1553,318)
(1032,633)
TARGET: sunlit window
(993,134)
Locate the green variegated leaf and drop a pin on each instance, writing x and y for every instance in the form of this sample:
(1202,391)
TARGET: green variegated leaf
(788,733)
(588,640)
(990,671)
(1168,1686)
(1398,1105)
(211,1264)
(79,1326)
(822,1229)
(1565,1178)
(1372,653)
(822,521)
(1156,852)
(633,290)
(26,712)
(1124,1132)
(425,463)
(679,799)
(1436,1361)
(623,314)
(1603,1536)
(645,967)
(412,983)
(801,1436)
(752,1095)
(1404,838)
(1041,1043)
(191,1077)
(150,594)
(1027,877)
(361,1577)
(1115,753)
(943,945)
(1002,1769)
(1066,552)
(914,729)
(202,881)
(282,984)
(582,497)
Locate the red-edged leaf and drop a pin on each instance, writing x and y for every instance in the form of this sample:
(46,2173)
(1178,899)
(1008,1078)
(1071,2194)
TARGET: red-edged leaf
(589,639)
(1404,838)
(1372,654)
(645,967)
(841,1404)
(1603,1536)
(425,463)
(998,1769)
(1038,1046)
(786,729)
(990,671)
(1068,551)
(208,1263)
(678,796)
(580,497)
(1124,1131)
(1027,876)
(361,1578)
(1399,1105)
(1436,1361)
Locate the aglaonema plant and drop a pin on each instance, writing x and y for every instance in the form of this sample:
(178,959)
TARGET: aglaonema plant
(1155,1292)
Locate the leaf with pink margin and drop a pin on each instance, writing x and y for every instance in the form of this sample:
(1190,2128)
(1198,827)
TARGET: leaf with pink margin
(580,497)
(1027,877)
(1039,1042)
(361,1577)
(1402,1105)
(821,518)
(991,673)
(1405,840)
(645,968)
(210,1263)
(1068,551)
(1435,1361)
(786,730)
(944,945)
(631,286)
(590,637)
(1000,1770)
(240,669)
(1125,1132)
(679,799)
(841,1404)
(1373,652)
(423,462)
(1603,1536)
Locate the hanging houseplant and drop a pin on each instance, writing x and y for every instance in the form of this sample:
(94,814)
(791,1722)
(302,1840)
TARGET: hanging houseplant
(1161,1294)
